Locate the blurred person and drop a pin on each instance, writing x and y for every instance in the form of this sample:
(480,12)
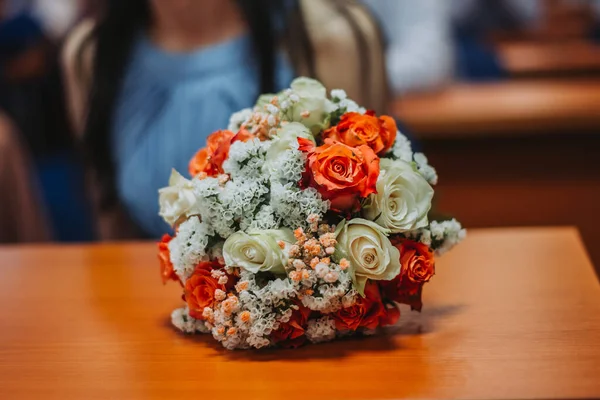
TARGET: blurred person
(538,19)
(30,79)
(419,44)
(31,97)
(151,79)
(55,17)
(478,17)
(473,24)
(22,216)
(480,25)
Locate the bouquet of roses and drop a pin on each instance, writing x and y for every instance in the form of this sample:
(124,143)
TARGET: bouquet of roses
(305,220)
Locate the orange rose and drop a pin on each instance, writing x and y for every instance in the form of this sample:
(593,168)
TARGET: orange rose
(243,135)
(291,334)
(418,266)
(210,159)
(368,312)
(164,256)
(200,289)
(355,130)
(340,173)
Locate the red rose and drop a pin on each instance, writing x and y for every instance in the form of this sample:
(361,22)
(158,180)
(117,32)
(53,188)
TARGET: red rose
(418,266)
(200,289)
(368,312)
(164,256)
(340,173)
(291,334)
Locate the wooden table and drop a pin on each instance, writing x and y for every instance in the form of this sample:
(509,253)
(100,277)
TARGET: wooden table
(510,314)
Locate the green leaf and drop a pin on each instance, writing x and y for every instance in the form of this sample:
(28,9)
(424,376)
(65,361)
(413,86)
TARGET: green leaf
(339,227)
(359,284)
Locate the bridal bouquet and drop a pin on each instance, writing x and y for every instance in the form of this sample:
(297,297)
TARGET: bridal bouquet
(305,220)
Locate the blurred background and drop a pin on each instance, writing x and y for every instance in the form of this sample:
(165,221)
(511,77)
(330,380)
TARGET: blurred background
(503,97)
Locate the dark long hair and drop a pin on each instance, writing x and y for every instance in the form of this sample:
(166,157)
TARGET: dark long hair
(119,23)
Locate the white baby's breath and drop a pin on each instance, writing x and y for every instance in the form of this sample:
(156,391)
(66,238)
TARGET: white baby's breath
(338,94)
(182,320)
(238,119)
(440,236)
(426,170)
(321,330)
(402,149)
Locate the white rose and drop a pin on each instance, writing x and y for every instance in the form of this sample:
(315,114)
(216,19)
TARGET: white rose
(177,199)
(311,109)
(286,139)
(258,251)
(370,253)
(403,198)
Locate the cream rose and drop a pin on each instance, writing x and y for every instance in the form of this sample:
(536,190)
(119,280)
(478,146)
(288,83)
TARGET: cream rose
(286,139)
(370,253)
(258,251)
(311,109)
(177,199)
(403,198)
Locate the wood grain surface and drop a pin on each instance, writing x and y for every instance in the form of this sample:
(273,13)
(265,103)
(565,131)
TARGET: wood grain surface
(511,313)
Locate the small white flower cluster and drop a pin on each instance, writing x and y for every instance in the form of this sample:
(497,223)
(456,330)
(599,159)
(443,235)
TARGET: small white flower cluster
(268,114)
(246,159)
(241,200)
(239,119)
(181,319)
(265,219)
(294,206)
(321,330)
(248,319)
(324,285)
(189,247)
(341,104)
(333,297)
(240,204)
(449,233)
(231,206)
(287,100)
(426,170)
(329,296)
(440,236)
(288,167)
(402,150)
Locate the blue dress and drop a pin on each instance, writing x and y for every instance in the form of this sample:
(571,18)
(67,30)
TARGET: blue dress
(169,104)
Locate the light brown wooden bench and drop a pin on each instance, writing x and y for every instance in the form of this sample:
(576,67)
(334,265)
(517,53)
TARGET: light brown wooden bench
(534,58)
(506,108)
